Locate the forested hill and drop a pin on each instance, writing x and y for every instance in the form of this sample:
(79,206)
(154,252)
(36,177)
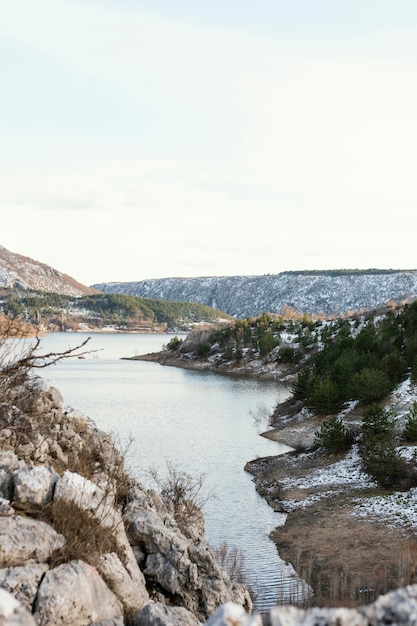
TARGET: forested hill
(54,311)
(327,292)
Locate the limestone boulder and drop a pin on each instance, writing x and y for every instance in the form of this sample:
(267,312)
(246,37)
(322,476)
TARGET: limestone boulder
(23,581)
(24,539)
(157,614)
(398,607)
(233,614)
(6,510)
(34,485)
(12,613)
(40,397)
(90,497)
(157,533)
(9,461)
(75,594)
(132,596)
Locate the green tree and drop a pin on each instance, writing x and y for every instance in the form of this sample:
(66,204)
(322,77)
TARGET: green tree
(324,397)
(333,436)
(379,454)
(410,428)
(370,384)
(267,342)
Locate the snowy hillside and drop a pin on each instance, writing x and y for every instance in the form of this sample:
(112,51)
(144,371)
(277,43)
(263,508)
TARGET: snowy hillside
(17,271)
(315,292)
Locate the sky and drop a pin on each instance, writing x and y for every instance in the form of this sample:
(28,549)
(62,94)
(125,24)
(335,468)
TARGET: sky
(157,138)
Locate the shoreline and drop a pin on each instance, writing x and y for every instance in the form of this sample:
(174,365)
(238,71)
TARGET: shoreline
(201,365)
(324,537)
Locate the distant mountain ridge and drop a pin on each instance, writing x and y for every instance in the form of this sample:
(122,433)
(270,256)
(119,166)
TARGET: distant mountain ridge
(319,292)
(21,272)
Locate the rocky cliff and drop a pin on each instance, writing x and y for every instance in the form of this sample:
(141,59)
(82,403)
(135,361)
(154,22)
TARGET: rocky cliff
(81,542)
(21,272)
(316,292)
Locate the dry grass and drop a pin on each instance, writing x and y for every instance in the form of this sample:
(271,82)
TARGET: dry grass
(346,561)
(86,538)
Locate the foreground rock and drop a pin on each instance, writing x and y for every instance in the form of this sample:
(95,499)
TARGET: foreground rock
(398,608)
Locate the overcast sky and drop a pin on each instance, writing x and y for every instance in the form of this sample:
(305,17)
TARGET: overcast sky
(154,138)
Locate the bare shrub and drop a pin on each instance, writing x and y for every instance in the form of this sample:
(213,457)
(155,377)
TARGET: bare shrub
(232,559)
(183,492)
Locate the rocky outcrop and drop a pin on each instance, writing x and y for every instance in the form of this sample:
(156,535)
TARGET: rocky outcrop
(81,542)
(75,593)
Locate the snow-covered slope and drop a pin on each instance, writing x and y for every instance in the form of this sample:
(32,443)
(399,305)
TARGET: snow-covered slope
(316,292)
(17,271)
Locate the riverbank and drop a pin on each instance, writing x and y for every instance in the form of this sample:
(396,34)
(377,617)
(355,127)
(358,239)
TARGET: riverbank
(252,367)
(350,540)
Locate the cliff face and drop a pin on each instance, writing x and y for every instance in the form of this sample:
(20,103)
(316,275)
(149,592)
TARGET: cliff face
(246,296)
(21,272)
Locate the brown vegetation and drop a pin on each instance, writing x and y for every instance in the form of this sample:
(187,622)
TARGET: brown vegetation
(347,561)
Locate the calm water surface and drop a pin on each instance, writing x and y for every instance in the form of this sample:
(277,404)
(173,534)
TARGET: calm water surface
(203,423)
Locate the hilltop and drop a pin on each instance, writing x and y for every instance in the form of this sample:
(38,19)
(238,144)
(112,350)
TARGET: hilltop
(20,272)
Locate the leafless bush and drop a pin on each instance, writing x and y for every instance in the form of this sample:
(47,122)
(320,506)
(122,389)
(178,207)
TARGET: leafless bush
(183,492)
(232,560)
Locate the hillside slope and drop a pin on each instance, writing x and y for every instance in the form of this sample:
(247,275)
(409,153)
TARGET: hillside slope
(318,292)
(21,272)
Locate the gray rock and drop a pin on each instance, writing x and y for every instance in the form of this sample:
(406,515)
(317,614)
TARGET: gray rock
(23,539)
(114,621)
(22,582)
(88,496)
(9,461)
(85,494)
(155,532)
(398,607)
(231,614)
(157,614)
(40,397)
(74,594)
(12,613)
(34,485)
(178,566)
(6,510)
(132,595)
(293,616)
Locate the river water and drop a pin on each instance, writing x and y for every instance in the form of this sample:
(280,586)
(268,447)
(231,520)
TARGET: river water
(202,423)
